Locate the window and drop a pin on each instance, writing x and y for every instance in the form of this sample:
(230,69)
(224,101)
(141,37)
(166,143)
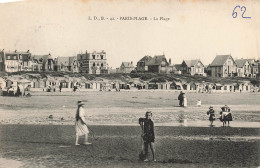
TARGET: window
(20,56)
(94,57)
(94,64)
(8,57)
(101,64)
(15,57)
(97,64)
(101,56)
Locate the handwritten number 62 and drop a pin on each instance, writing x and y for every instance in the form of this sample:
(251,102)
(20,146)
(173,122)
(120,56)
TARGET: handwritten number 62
(243,9)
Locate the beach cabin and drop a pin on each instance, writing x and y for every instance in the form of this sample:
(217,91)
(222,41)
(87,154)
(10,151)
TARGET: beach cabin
(122,85)
(246,87)
(64,83)
(42,83)
(164,86)
(184,86)
(176,86)
(193,86)
(87,85)
(152,85)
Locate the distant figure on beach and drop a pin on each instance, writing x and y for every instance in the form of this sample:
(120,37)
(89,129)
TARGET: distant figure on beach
(211,114)
(147,134)
(180,98)
(75,88)
(80,124)
(225,115)
(60,86)
(199,103)
(184,100)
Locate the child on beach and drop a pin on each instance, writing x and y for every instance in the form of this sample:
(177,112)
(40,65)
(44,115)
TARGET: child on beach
(148,134)
(199,103)
(81,126)
(211,114)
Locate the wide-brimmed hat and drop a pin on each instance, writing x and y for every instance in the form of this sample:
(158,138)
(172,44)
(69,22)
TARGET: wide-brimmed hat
(210,107)
(80,103)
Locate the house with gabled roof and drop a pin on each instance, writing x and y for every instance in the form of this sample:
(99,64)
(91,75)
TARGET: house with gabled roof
(254,67)
(45,62)
(126,67)
(192,67)
(223,66)
(244,68)
(62,64)
(66,64)
(74,64)
(141,64)
(158,64)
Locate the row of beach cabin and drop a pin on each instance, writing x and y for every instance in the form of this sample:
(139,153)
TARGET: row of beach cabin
(67,84)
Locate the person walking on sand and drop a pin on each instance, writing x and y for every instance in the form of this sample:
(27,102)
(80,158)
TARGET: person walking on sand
(180,98)
(80,124)
(184,100)
(211,114)
(148,135)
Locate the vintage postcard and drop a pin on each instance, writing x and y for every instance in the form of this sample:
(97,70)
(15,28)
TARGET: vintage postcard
(128,83)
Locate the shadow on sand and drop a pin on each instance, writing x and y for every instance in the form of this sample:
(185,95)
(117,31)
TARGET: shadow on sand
(175,161)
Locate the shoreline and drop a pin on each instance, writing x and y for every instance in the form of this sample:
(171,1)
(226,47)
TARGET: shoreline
(187,124)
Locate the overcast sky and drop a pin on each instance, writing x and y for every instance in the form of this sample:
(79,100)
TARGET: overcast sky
(196,29)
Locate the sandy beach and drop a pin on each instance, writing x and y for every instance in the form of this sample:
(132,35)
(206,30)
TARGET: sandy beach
(29,138)
(118,146)
(126,107)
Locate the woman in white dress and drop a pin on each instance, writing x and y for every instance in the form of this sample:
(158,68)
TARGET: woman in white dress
(80,124)
(184,100)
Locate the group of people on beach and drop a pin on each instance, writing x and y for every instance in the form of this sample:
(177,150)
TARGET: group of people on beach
(147,127)
(182,99)
(225,115)
(146,124)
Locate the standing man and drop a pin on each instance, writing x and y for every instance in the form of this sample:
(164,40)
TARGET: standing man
(180,98)
(60,86)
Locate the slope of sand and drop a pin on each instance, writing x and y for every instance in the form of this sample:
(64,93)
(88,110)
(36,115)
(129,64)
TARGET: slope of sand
(119,146)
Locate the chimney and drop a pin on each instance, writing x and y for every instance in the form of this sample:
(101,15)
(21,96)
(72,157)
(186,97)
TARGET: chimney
(170,61)
(28,51)
(132,62)
(49,54)
(15,50)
